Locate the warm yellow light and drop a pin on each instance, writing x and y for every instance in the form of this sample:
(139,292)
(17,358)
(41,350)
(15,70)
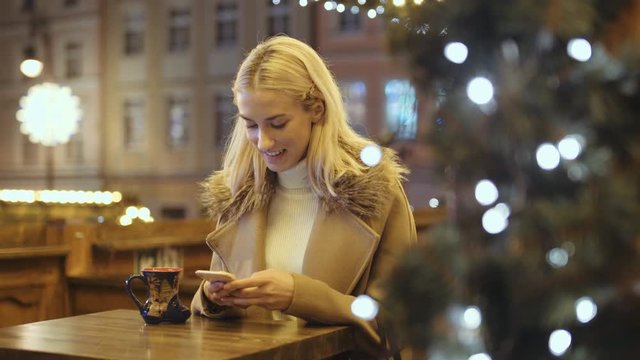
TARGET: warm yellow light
(418,2)
(60,196)
(31,68)
(116,196)
(125,220)
(131,212)
(49,114)
(144,212)
(399,3)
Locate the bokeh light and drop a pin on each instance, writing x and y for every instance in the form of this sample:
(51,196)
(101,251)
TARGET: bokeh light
(486,192)
(547,156)
(493,221)
(480,356)
(559,342)
(579,49)
(49,114)
(31,68)
(503,209)
(480,90)
(456,52)
(364,307)
(371,155)
(586,309)
(570,147)
(557,257)
(329,5)
(472,318)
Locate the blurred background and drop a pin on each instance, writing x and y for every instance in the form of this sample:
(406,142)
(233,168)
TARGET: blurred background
(151,80)
(518,119)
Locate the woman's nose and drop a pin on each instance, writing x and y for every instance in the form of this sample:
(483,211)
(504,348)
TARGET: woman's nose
(265,141)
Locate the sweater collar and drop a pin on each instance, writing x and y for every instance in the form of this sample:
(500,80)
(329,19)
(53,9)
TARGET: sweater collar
(295,178)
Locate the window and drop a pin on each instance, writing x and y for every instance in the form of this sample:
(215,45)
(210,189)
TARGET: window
(179,21)
(173,212)
(355,100)
(28,6)
(134,34)
(73,60)
(226,24)
(401,108)
(134,132)
(74,146)
(278,22)
(225,113)
(349,22)
(69,3)
(177,125)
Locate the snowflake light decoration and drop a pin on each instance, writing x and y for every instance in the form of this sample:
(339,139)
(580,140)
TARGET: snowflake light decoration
(49,114)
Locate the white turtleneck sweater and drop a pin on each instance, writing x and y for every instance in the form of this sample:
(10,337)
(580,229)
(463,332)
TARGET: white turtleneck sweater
(292,212)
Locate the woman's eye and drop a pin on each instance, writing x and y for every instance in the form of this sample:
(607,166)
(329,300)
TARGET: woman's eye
(278,126)
(251,126)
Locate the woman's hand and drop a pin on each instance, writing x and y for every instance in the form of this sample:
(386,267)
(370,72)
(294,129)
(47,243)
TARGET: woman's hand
(270,289)
(213,291)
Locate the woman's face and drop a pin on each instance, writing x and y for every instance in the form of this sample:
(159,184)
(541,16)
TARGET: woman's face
(278,126)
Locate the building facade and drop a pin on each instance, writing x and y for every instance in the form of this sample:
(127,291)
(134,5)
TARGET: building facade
(154,78)
(66,36)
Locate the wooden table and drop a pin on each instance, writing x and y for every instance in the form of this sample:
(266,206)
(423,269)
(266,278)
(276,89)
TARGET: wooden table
(122,334)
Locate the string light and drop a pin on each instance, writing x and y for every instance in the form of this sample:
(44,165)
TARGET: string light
(494,221)
(472,318)
(586,309)
(486,192)
(547,156)
(371,155)
(579,49)
(364,307)
(480,90)
(480,356)
(559,342)
(557,257)
(570,147)
(132,212)
(60,196)
(456,52)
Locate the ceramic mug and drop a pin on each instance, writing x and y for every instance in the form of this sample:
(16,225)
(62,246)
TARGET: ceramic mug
(163,303)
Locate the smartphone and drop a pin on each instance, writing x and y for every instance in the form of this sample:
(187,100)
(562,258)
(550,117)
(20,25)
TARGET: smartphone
(213,276)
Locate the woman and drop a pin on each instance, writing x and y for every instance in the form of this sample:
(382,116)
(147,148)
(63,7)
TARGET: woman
(303,224)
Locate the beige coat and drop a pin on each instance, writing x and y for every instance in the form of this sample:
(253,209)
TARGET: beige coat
(353,246)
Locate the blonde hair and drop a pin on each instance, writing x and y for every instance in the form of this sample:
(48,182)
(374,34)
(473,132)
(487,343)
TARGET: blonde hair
(291,67)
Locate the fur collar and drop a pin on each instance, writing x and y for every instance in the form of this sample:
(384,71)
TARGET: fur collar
(362,195)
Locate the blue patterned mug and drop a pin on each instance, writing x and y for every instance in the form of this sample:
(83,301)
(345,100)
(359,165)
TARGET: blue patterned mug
(163,303)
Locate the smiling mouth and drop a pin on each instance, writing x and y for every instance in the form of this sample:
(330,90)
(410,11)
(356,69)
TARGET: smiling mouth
(273,153)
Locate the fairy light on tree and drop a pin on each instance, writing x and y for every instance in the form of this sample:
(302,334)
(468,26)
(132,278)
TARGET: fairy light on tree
(543,100)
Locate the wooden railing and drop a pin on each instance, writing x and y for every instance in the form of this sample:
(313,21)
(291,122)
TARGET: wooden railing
(56,269)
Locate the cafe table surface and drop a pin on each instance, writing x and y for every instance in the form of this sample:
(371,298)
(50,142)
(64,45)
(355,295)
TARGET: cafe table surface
(122,334)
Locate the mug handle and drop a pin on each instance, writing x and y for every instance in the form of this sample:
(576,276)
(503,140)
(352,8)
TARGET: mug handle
(127,285)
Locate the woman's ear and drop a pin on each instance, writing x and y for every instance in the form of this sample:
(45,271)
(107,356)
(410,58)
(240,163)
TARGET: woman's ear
(317,111)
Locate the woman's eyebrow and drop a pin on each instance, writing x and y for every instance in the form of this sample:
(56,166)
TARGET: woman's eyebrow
(270,118)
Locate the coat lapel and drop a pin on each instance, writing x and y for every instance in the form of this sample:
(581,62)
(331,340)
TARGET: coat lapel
(240,244)
(340,249)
